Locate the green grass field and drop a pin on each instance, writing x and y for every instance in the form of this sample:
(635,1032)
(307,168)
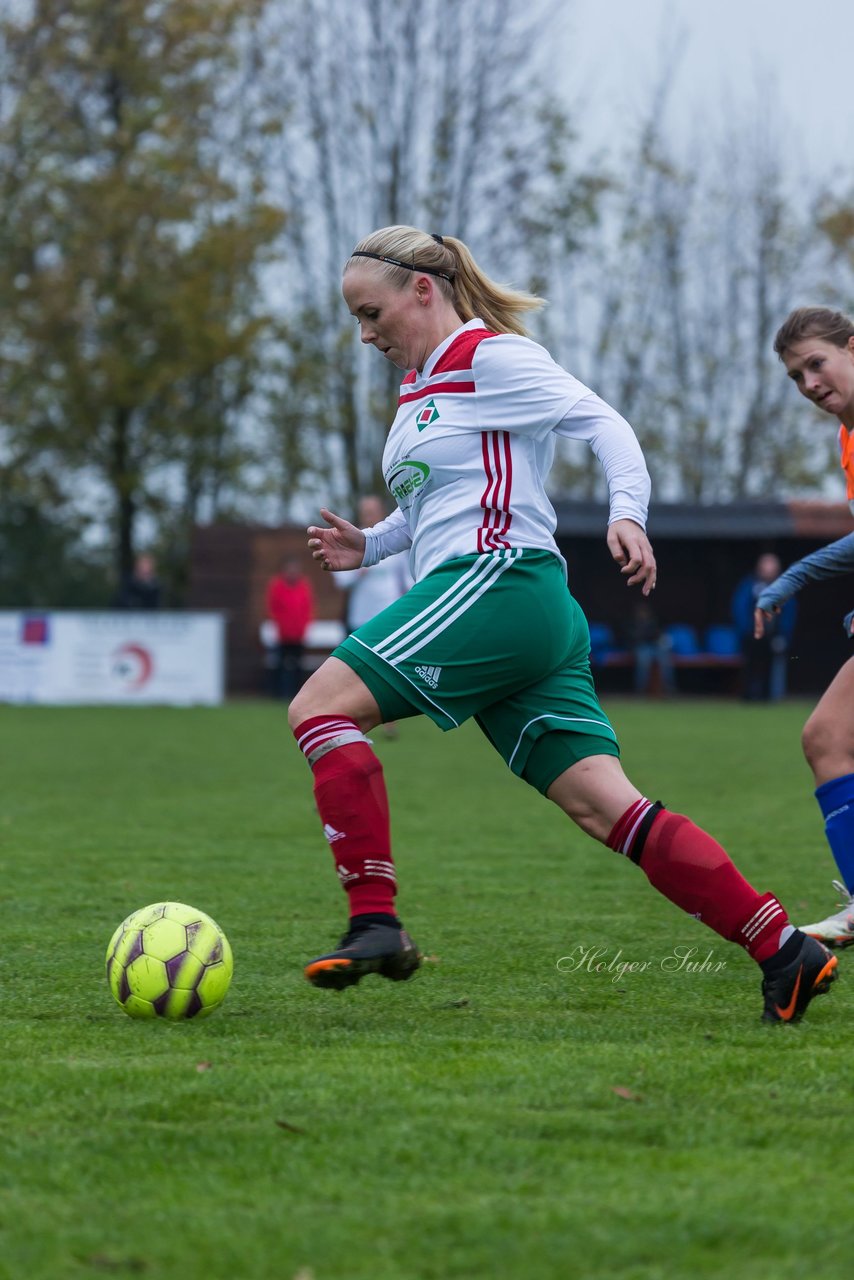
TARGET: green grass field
(506,1114)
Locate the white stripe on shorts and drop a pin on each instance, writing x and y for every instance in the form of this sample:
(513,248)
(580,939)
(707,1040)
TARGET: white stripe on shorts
(441,613)
(575,720)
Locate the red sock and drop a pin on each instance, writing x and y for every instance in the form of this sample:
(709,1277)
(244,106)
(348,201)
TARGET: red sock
(693,871)
(350,794)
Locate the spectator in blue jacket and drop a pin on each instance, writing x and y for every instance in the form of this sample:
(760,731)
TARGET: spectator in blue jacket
(765,657)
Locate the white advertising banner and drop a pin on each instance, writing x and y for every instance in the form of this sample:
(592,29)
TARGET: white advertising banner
(127,658)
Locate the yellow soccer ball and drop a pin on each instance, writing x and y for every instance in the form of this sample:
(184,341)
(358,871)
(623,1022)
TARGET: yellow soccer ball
(169,961)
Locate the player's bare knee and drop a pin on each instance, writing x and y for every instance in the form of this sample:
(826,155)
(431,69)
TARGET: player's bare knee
(315,698)
(811,742)
(320,700)
(297,712)
(584,815)
(827,746)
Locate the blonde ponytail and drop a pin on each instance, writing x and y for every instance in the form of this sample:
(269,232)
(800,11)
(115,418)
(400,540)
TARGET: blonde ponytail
(402,250)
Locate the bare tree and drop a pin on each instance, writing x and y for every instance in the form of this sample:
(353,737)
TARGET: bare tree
(401,111)
(704,253)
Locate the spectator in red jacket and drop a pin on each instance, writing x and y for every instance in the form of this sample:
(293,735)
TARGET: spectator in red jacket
(290,605)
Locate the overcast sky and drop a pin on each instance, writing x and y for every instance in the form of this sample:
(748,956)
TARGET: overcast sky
(801,51)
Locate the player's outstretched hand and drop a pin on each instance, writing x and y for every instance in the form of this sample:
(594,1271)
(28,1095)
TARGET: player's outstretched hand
(340,546)
(760,616)
(632,550)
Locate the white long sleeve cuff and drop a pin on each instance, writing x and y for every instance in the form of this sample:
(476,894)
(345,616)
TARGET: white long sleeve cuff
(386,538)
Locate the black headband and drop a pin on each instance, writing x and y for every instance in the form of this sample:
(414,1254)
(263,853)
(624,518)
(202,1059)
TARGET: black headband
(407,266)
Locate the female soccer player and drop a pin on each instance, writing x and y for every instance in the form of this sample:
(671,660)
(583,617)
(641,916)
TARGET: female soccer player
(817,347)
(490,628)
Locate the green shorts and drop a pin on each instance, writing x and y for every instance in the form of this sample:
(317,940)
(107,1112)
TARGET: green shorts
(498,637)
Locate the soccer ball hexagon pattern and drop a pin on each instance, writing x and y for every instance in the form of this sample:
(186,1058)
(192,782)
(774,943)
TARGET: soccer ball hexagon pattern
(169,961)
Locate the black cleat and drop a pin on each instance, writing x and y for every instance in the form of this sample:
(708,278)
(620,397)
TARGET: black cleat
(802,968)
(367,947)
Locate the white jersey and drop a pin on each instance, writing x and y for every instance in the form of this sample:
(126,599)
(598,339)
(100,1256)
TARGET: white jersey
(374,589)
(473,441)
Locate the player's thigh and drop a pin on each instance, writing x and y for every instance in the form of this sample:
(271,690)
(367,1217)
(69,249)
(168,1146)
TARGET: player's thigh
(829,731)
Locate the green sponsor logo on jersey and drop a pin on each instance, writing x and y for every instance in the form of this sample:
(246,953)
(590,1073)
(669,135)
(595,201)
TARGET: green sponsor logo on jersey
(406,478)
(426,416)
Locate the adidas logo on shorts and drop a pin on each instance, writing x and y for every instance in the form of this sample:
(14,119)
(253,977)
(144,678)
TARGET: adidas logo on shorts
(430,675)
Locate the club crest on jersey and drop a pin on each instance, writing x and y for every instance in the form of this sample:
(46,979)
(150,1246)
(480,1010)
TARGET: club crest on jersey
(426,416)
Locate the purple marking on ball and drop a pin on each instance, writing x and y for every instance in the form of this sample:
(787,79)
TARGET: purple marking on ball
(194,1005)
(173,968)
(215,952)
(136,948)
(160,1003)
(124,987)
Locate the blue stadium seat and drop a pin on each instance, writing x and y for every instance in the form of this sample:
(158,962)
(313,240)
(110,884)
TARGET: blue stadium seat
(723,641)
(683,640)
(602,641)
